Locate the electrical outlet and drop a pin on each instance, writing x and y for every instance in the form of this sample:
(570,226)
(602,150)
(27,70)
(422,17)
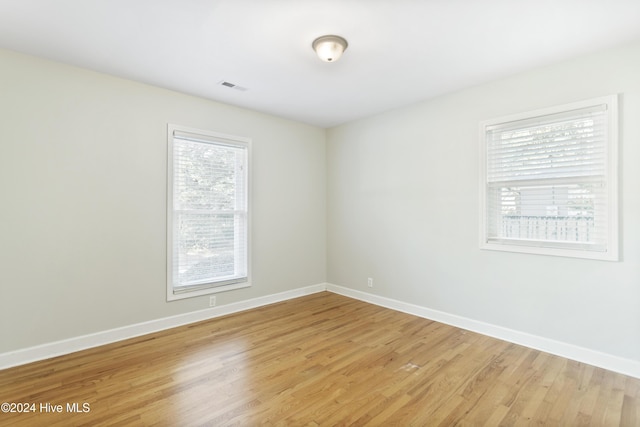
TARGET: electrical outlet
(212,301)
(370,282)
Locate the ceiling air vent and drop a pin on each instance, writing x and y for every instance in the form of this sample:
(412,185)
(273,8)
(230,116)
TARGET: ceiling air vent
(232,85)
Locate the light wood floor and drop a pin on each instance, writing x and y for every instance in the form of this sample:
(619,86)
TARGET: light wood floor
(320,360)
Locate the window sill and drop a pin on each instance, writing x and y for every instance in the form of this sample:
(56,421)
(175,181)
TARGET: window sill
(196,293)
(536,250)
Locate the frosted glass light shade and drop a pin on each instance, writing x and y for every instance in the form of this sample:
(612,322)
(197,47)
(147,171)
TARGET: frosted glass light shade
(329,48)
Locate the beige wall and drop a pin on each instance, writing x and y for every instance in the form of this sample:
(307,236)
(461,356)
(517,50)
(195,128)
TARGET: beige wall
(83,193)
(403,209)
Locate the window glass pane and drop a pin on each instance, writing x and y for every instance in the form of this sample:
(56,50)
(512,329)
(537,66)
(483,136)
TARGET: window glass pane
(209,218)
(205,176)
(205,249)
(568,148)
(554,213)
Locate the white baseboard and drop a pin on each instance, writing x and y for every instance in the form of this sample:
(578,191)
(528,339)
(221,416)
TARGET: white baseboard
(569,351)
(71,345)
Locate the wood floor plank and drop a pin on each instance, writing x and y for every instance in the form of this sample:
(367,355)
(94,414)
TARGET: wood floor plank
(319,360)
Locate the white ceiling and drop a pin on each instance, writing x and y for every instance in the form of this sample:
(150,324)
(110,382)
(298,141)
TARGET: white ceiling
(400,51)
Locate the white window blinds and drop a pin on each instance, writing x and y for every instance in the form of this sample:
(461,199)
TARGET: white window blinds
(208,212)
(549,179)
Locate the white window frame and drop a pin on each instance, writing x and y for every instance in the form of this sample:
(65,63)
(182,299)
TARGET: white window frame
(611,252)
(216,138)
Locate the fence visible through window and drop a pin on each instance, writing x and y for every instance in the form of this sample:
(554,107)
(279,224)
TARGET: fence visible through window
(550,228)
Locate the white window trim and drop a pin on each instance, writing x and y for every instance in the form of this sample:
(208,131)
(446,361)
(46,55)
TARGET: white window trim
(171,295)
(612,252)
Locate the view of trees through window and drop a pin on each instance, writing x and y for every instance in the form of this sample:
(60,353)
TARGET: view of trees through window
(206,226)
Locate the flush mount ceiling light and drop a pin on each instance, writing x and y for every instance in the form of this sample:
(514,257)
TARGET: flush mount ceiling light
(329,48)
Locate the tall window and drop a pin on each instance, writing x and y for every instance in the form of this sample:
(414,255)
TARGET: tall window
(208,215)
(549,181)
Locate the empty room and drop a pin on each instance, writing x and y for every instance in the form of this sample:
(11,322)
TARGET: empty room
(319,212)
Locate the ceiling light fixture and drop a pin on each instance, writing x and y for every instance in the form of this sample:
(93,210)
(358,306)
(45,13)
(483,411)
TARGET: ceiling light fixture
(329,48)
